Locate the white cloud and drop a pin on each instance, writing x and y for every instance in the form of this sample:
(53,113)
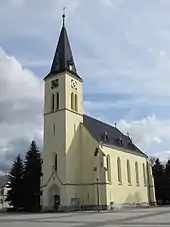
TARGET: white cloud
(22,82)
(112,3)
(149,132)
(163,155)
(16,3)
(121,104)
(124,52)
(121,50)
(21,99)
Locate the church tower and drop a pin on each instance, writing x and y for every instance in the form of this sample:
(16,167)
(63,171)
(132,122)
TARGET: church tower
(63,115)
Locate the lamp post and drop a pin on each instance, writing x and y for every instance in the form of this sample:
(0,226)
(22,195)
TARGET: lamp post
(97,170)
(98,202)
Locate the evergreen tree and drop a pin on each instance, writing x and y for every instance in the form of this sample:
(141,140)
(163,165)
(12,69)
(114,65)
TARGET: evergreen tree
(159,180)
(32,176)
(15,184)
(152,160)
(167,180)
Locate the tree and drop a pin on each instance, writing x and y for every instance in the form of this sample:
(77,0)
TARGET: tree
(152,160)
(159,180)
(32,175)
(15,184)
(167,180)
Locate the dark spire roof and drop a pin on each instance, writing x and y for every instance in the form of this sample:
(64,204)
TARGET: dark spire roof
(63,58)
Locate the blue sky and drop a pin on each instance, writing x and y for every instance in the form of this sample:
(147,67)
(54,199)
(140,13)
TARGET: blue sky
(122,52)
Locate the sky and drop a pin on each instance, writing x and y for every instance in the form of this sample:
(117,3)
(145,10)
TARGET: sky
(122,52)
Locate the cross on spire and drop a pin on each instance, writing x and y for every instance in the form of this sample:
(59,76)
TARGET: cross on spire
(64,15)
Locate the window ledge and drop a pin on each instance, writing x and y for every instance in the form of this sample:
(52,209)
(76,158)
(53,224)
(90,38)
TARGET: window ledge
(119,183)
(129,184)
(137,185)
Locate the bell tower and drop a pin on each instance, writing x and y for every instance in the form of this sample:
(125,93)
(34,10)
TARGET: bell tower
(63,115)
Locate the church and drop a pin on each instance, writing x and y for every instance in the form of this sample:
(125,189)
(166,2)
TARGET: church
(87,163)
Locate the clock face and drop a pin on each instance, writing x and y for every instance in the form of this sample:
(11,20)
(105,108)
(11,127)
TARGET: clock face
(74,84)
(54,83)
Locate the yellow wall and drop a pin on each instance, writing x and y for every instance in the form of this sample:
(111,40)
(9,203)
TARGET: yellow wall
(65,142)
(53,142)
(124,192)
(113,191)
(88,163)
(73,121)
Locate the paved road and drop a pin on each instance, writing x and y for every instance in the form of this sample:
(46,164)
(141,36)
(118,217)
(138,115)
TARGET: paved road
(156,217)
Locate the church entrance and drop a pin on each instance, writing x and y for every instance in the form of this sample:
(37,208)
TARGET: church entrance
(56,202)
(54,197)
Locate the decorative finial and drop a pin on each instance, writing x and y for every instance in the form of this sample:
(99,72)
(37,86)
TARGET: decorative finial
(115,125)
(64,16)
(128,134)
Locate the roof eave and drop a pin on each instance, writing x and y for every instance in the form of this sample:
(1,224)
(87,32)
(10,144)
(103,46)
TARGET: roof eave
(75,75)
(140,153)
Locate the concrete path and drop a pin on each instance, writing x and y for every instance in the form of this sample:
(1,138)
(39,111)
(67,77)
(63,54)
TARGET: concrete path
(157,217)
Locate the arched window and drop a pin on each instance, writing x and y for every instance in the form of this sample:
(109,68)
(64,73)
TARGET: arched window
(55,163)
(119,174)
(52,102)
(144,174)
(137,173)
(54,129)
(108,168)
(57,101)
(76,103)
(72,101)
(128,172)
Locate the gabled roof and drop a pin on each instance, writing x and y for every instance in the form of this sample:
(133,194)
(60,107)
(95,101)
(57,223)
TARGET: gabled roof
(63,58)
(109,135)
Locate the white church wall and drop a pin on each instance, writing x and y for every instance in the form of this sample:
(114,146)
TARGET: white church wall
(124,192)
(73,118)
(54,142)
(89,163)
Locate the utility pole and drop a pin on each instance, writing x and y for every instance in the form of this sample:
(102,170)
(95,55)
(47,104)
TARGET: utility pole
(98,202)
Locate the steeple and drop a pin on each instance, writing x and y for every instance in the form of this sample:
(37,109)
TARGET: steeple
(63,58)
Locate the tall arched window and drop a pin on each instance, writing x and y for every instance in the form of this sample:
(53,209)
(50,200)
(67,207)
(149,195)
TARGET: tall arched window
(57,101)
(55,162)
(54,129)
(72,101)
(108,168)
(144,174)
(128,172)
(137,173)
(76,103)
(52,102)
(119,174)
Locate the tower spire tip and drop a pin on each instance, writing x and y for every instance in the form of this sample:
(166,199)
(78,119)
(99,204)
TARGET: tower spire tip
(64,16)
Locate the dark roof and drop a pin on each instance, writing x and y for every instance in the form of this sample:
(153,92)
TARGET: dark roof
(108,134)
(63,58)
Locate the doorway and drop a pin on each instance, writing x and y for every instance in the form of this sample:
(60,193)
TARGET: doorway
(56,202)
(54,197)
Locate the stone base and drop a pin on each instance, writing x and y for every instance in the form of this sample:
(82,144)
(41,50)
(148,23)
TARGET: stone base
(74,209)
(101,207)
(153,204)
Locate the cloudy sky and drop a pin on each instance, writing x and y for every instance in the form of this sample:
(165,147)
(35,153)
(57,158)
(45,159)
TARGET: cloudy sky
(122,51)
